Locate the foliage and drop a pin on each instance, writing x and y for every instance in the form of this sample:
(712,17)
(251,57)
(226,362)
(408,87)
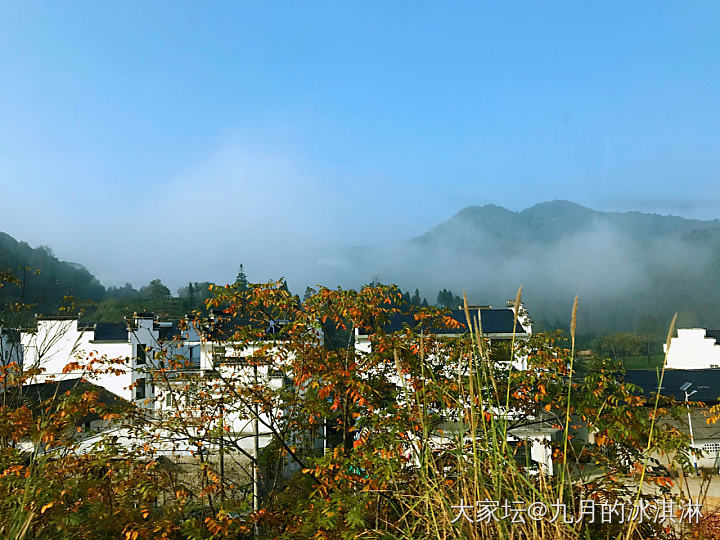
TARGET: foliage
(378,439)
(448,300)
(155,290)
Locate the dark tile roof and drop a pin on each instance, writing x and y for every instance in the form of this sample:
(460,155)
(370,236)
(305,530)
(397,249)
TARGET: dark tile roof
(33,395)
(499,321)
(105,331)
(705,381)
(494,321)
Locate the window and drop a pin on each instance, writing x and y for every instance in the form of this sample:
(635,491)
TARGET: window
(140,389)
(711,448)
(168,400)
(141,355)
(194,353)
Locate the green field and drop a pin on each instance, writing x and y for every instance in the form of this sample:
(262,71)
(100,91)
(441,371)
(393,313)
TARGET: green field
(643,361)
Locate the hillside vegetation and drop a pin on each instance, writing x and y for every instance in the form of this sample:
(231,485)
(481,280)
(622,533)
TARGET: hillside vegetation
(44,280)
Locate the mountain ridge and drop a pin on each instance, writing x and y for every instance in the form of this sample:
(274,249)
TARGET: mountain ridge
(555,219)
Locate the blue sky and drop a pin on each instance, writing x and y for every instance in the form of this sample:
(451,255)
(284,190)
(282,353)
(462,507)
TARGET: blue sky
(147,131)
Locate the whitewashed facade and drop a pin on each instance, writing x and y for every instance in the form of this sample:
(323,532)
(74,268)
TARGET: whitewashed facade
(694,348)
(222,365)
(121,352)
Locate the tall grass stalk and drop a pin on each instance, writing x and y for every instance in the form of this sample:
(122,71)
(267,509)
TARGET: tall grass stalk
(648,448)
(573,329)
(506,411)
(488,470)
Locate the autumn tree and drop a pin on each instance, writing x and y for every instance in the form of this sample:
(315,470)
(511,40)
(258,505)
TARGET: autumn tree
(383,439)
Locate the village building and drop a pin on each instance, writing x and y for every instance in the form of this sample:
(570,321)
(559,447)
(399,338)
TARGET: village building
(113,355)
(694,348)
(497,324)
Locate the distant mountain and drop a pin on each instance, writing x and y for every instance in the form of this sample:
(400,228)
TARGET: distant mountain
(630,269)
(554,220)
(45,279)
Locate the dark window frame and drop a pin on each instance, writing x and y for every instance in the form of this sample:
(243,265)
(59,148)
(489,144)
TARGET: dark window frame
(140,389)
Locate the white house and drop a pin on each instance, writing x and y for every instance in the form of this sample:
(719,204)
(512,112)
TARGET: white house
(219,366)
(694,348)
(701,388)
(223,367)
(498,324)
(126,354)
(119,351)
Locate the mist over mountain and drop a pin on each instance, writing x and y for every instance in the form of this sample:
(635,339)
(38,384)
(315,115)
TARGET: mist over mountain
(630,269)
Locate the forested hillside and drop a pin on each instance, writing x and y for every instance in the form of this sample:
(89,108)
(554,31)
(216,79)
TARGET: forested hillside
(43,280)
(35,282)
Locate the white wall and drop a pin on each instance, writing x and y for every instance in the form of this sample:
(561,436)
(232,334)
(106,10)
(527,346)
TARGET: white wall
(711,450)
(54,344)
(237,418)
(692,350)
(112,353)
(57,342)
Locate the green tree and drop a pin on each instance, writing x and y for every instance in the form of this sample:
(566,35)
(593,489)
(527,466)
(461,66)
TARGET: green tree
(620,345)
(309,292)
(415,300)
(155,290)
(447,299)
(126,292)
(241,279)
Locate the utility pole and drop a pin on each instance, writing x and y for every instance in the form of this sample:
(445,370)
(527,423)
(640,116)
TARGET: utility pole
(222,448)
(256,451)
(684,388)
